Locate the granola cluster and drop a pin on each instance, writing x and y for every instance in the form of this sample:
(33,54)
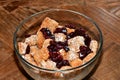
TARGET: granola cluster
(58,47)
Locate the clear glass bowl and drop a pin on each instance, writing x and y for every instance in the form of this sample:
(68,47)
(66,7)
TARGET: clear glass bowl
(31,24)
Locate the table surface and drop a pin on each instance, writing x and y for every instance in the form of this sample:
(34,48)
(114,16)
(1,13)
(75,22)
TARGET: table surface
(105,12)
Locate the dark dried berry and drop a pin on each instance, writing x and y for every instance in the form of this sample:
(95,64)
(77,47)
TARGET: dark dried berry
(71,35)
(62,63)
(56,46)
(28,49)
(65,63)
(27,35)
(61,30)
(84,51)
(55,56)
(87,40)
(59,65)
(78,32)
(52,48)
(57,59)
(47,33)
(70,26)
(59,45)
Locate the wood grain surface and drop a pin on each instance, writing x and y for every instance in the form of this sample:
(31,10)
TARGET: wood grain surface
(105,12)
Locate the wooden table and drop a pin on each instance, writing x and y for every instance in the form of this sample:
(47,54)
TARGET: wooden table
(105,12)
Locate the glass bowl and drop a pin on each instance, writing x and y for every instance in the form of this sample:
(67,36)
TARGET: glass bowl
(31,24)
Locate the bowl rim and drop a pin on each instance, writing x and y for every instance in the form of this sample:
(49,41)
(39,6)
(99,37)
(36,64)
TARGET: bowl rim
(52,70)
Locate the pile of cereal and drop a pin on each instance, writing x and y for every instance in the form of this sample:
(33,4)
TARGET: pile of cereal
(58,47)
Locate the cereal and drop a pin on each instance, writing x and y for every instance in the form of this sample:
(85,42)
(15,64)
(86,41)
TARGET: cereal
(60,37)
(41,54)
(48,64)
(58,47)
(30,59)
(88,57)
(40,39)
(75,43)
(32,40)
(46,43)
(70,30)
(58,74)
(63,53)
(22,47)
(49,23)
(37,58)
(72,55)
(76,62)
(33,50)
(65,67)
(93,45)
(60,26)
(44,53)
